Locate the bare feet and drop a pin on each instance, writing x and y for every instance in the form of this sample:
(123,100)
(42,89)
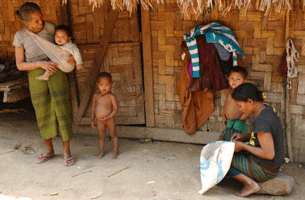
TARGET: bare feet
(100,155)
(115,155)
(249,189)
(42,78)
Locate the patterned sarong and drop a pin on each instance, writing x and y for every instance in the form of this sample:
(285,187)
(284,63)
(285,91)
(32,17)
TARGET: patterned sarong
(51,101)
(245,164)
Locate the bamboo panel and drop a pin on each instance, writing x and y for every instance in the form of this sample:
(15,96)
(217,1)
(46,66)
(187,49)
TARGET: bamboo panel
(10,24)
(122,61)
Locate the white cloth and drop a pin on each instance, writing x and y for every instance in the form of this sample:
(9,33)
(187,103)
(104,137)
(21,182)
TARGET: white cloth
(292,54)
(72,48)
(215,162)
(54,52)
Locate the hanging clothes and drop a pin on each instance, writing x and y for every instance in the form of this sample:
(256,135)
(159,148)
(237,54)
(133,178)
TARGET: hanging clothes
(196,106)
(211,75)
(215,33)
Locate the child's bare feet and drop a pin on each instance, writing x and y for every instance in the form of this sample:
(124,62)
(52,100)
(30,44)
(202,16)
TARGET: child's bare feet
(44,77)
(100,155)
(249,189)
(115,155)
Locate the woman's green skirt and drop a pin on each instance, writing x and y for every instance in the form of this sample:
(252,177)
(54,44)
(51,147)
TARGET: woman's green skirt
(51,101)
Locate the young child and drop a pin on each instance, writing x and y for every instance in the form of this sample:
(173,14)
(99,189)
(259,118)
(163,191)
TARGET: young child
(231,116)
(63,35)
(104,108)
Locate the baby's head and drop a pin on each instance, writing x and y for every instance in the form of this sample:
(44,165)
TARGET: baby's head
(63,34)
(104,82)
(237,76)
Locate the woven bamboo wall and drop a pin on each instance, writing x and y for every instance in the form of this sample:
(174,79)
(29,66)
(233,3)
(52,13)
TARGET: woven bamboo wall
(9,22)
(122,58)
(261,38)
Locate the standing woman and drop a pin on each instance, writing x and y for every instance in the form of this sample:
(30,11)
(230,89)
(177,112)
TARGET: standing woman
(259,154)
(51,99)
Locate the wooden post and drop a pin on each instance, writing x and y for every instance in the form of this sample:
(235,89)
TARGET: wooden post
(66,19)
(148,68)
(99,57)
(287,102)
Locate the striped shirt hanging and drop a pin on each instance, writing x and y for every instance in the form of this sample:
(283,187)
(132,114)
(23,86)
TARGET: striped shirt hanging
(215,33)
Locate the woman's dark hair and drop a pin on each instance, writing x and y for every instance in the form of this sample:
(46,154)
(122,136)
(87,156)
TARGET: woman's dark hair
(26,9)
(247,91)
(65,28)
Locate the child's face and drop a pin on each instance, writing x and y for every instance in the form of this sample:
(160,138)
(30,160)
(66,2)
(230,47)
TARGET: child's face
(235,79)
(61,37)
(104,85)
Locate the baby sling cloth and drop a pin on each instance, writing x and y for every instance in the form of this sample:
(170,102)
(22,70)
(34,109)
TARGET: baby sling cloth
(54,52)
(215,162)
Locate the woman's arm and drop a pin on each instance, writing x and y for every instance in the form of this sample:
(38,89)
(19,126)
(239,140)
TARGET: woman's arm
(266,149)
(25,66)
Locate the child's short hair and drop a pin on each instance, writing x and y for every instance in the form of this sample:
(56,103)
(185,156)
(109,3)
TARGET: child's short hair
(65,28)
(240,70)
(104,75)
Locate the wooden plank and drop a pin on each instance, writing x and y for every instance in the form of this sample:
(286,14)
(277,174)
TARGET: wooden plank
(148,67)
(119,120)
(99,57)
(163,134)
(66,19)
(16,95)
(288,103)
(137,70)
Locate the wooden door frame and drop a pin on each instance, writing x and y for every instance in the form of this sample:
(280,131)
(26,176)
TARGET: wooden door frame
(147,67)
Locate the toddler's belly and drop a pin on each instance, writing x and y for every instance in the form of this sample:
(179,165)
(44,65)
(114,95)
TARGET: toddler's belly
(101,112)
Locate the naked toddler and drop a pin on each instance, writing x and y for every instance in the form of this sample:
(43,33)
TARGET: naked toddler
(104,108)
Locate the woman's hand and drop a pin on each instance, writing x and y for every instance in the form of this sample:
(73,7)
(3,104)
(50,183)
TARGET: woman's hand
(239,146)
(49,66)
(238,137)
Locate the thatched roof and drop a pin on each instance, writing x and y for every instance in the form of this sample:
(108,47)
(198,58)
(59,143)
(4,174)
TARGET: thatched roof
(199,7)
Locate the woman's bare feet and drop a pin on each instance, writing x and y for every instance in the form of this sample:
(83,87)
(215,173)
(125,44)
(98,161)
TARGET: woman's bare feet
(115,155)
(249,189)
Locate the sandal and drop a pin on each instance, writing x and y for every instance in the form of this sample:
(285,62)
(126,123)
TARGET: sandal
(44,158)
(69,161)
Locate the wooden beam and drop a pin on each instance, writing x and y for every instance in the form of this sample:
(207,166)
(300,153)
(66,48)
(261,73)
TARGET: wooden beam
(287,92)
(15,95)
(66,19)
(163,134)
(98,60)
(148,67)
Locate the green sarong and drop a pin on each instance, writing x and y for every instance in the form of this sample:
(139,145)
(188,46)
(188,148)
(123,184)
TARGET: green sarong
(51,101)
(233,126)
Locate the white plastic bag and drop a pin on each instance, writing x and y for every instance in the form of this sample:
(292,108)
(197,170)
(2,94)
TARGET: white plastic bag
(215,162)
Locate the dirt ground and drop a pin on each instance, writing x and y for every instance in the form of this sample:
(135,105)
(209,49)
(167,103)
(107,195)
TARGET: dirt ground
(154,170)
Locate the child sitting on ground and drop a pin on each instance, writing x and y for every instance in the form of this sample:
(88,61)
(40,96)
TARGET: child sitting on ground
(104,108)
(231,114)
(63,36)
